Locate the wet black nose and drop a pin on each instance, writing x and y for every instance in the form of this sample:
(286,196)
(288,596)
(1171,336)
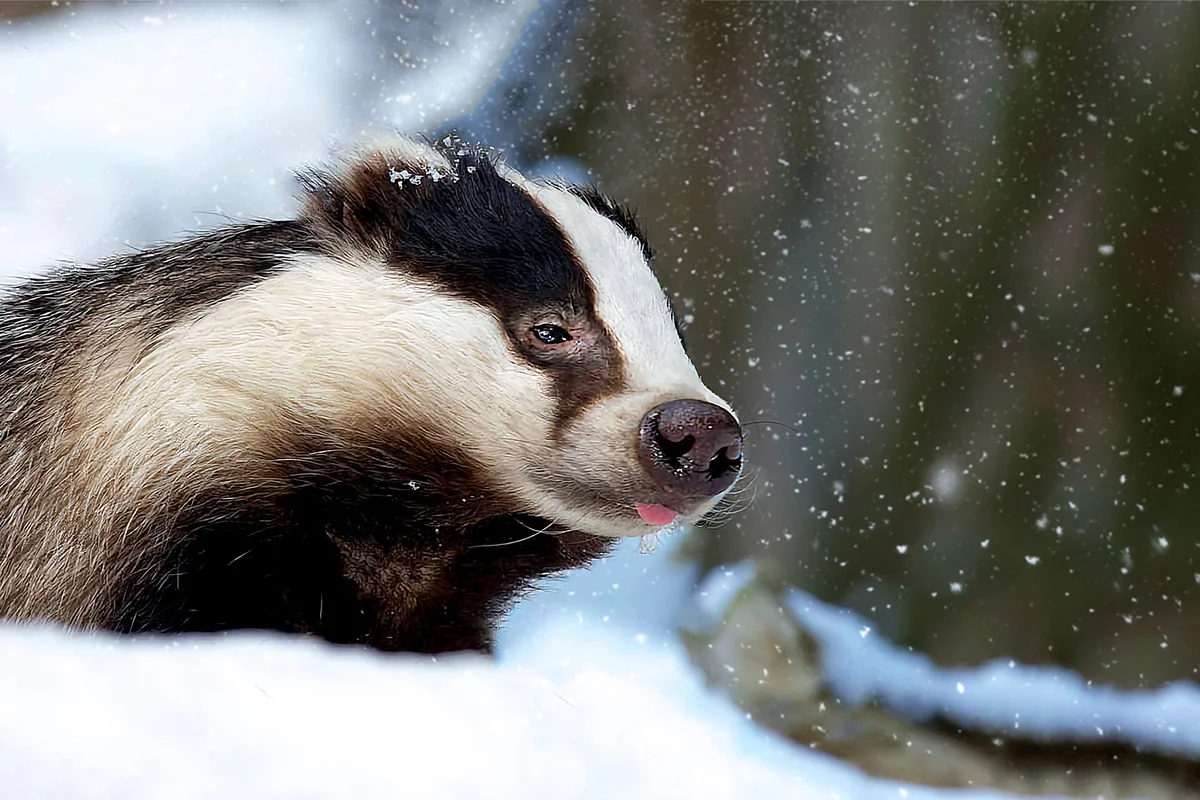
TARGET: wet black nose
(691,447)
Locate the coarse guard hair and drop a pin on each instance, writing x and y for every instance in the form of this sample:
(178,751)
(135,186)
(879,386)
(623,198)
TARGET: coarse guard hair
(379,423)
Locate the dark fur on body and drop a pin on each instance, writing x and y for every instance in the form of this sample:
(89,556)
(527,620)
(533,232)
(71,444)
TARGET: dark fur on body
(385,536)
(388,541)
(351,552)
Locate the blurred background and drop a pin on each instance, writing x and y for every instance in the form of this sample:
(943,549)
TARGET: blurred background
(942,258)
(954,247)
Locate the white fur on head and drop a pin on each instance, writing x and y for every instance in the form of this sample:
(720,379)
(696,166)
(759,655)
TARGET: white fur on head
(629,300)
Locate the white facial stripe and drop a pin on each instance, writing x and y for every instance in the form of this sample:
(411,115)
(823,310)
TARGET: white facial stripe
(629,299)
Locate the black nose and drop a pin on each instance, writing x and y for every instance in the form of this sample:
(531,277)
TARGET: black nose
(691,447)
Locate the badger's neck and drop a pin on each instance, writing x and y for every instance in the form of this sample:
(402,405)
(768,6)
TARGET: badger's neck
(358,560)
(379,542)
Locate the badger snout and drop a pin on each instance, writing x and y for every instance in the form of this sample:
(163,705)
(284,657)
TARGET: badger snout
(691,448)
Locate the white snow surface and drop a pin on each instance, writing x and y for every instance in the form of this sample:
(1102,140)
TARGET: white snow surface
(591,697)
(263,716)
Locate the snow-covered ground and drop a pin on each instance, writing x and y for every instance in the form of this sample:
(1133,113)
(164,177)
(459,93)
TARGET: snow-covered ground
(592,697)
(119,127)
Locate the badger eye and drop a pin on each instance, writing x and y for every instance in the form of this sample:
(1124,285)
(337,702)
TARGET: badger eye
(551,334)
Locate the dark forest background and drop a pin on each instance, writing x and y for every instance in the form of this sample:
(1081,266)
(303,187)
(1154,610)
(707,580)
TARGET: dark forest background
(954,246)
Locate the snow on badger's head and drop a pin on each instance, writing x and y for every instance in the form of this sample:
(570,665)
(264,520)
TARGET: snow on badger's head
(519,324)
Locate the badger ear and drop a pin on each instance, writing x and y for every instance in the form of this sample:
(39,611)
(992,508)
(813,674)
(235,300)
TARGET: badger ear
(362,197)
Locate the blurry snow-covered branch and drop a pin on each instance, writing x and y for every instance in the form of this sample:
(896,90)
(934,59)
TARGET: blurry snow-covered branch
(823,676)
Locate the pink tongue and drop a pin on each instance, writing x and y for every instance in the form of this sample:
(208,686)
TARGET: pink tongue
(655,514)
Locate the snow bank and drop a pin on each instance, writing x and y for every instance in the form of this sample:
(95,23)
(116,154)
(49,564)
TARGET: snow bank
(1002,696)
(591,699)
(264,716)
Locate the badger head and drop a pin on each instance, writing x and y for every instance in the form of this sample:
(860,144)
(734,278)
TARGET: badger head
(516,321)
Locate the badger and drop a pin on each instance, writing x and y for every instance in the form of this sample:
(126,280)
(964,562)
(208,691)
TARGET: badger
(380,423)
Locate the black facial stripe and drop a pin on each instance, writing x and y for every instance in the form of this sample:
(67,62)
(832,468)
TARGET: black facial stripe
(622,215)
(486,240)
(590,375)
(477,236)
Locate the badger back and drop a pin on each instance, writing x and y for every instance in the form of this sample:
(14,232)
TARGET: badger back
(379,422)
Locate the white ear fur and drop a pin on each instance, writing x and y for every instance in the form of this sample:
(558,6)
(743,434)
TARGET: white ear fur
(403,152)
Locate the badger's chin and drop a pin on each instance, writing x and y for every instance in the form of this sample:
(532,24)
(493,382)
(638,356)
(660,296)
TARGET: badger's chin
(622,520)
(615,526)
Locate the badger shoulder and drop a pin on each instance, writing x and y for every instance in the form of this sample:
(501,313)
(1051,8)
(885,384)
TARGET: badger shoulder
(380,422)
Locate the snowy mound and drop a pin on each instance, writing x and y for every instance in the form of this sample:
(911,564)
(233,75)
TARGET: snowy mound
(266,716)
(591,697)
